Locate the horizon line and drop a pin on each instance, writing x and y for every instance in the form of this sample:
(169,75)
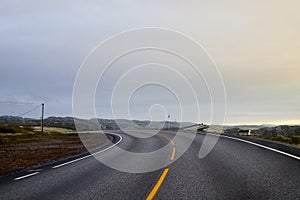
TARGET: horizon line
(274,123)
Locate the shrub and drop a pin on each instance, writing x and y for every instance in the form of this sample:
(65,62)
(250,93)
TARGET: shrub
(13,128)
(295,139)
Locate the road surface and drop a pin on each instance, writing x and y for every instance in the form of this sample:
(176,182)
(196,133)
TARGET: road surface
(232,170)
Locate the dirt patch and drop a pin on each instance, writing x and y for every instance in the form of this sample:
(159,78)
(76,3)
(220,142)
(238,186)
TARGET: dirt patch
(18,152)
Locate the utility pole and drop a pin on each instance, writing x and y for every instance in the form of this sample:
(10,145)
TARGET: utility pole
(169,122)
(42,119)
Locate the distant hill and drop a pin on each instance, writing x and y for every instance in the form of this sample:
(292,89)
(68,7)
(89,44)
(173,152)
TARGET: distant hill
(18,120)
(250,127)
(92,124)
(283,130)
(245,127)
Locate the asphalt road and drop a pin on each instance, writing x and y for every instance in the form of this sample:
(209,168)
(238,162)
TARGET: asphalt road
(232,170)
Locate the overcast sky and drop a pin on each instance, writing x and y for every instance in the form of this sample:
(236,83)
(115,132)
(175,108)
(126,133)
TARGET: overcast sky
(255,44)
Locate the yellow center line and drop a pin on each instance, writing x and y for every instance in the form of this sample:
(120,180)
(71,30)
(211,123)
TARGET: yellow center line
(172,142)
(174,149)
(158,184)
(173,153)
(164,174)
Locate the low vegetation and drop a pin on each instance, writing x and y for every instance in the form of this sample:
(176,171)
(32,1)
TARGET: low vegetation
(23,147)
(14,133)
(13,128)
(292,140)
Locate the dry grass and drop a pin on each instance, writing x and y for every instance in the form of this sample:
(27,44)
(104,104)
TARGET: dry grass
(53,129)
(20,151)
(291,140)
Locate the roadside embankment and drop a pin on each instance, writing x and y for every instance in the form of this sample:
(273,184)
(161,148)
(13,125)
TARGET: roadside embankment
(269,143)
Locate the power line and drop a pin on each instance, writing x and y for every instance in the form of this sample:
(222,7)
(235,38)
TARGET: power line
(29,111)
(17,102)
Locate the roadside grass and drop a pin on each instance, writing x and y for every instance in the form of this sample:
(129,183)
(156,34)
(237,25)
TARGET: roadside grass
(291,140)
(23,147)
(26,151)
(15,134)
(13,128)
(53,130)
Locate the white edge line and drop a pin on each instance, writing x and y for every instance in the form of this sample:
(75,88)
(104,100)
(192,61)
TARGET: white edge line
(78,159)
(28,175)
(259,145)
